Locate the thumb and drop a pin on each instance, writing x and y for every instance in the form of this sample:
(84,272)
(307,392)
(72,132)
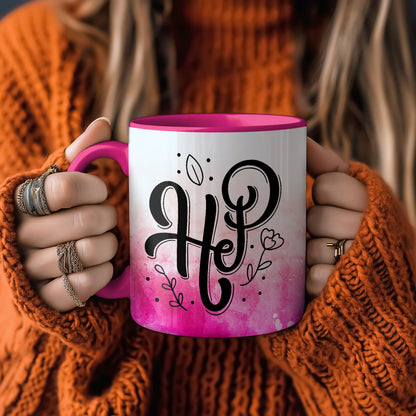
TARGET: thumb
(322,160)
(98,131)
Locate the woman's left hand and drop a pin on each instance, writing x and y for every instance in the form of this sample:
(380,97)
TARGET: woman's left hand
(340,201)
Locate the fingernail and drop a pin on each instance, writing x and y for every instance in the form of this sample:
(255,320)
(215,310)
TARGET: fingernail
(98,119)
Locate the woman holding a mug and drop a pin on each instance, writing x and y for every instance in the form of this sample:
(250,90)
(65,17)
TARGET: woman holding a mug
(346,66)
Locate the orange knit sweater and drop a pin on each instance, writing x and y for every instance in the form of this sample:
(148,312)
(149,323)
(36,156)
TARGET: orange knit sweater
(354,351)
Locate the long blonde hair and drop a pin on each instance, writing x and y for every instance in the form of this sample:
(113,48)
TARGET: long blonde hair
(363,92)
(361,98)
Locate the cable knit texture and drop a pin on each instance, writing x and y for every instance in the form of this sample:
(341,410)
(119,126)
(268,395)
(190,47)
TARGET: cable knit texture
(354,351)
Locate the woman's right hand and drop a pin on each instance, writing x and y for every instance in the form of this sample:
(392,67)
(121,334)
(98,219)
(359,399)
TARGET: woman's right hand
(79,212)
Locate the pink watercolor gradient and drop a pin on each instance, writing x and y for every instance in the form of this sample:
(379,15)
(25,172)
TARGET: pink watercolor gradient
(280,304)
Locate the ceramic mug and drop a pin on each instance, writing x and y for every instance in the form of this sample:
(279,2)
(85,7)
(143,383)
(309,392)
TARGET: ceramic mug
(217,222)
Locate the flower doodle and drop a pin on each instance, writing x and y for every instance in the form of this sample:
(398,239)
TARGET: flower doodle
(270,240)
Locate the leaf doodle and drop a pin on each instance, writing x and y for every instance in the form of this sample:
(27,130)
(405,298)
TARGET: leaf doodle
(180,298)
(265,265)
(159,269)
(250,271)
(170,285)
(174,303)
(194,170)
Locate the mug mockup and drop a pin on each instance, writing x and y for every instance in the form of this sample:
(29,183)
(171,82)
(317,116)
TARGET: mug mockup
(217,222)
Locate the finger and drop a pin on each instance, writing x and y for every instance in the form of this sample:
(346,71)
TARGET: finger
(71,189)
(317,277)
(92,251)
(67,225)
(85,285)
(98,131)
(332,222)
(322,160)
(341,190)
(317,251)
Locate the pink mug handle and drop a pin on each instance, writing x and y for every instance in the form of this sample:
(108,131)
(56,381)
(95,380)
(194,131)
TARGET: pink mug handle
(120,287)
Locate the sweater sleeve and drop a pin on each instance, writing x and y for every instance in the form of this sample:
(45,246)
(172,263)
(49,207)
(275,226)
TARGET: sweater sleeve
(93,326)
(40,113)
(354,351)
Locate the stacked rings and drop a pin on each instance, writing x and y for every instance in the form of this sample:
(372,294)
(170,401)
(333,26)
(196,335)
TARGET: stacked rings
(69,262)
(31,198)
(68,259)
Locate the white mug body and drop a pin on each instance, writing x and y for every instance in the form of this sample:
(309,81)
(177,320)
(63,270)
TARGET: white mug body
(217,226)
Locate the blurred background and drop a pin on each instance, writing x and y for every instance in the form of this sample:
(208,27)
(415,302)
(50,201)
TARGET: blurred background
(8,5)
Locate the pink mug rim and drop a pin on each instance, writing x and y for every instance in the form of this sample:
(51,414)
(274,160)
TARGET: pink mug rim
(218,122)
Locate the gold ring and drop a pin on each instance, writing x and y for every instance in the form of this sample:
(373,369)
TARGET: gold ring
(70,290)
(339,249)
(68,258)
